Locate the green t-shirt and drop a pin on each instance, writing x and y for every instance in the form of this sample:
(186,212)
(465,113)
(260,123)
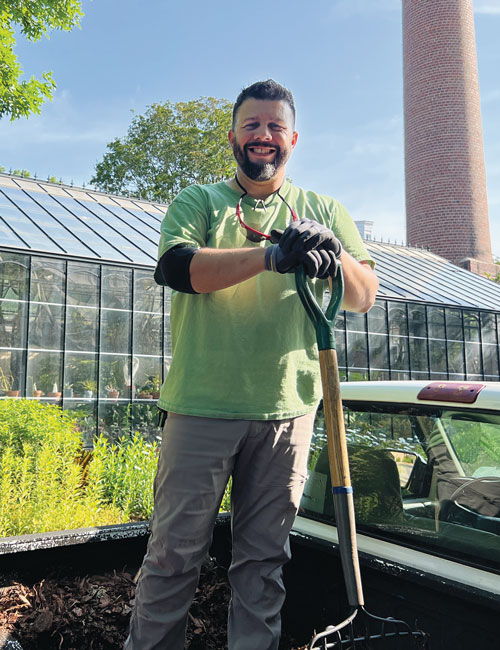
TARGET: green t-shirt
(249,351)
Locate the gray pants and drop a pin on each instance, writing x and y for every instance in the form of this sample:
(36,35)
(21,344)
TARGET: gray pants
(268,463)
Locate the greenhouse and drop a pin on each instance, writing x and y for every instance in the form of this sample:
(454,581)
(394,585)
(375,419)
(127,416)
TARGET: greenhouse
(83,324)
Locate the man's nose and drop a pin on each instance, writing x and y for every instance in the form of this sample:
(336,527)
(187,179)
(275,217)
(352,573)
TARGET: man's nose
(263,133)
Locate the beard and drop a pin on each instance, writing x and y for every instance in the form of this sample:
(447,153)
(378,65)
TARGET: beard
(258,171)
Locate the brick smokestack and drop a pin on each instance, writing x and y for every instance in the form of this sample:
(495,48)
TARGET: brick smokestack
(446,202)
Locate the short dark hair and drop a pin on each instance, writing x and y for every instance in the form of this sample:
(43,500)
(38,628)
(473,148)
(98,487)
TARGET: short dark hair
(268,89)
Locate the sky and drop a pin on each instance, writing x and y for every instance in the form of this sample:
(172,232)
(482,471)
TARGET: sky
(342,59)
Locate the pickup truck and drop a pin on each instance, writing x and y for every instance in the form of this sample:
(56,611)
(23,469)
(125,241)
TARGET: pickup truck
(425,468)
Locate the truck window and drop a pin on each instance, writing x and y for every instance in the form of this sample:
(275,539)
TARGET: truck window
(423,477)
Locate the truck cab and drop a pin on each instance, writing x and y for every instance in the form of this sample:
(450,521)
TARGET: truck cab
(425,469)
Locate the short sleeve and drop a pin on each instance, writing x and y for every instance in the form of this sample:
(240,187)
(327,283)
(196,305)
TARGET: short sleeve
(186,221)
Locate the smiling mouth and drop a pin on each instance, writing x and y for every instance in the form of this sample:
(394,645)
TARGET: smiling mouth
(262,151)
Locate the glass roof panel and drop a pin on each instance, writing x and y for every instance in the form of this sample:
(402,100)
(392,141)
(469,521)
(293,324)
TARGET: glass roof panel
(150,208)
(123,230)
(95,245)
(54,226)
(434,268)
(151,219)
(28,231)
(5,180)
(157,217)
(463,284)
(390,268)
(8,238)
(138,219)
(422,275)
(81,195)
(133,253)
(160,208)
(53,189)
(126,203)
(127,224)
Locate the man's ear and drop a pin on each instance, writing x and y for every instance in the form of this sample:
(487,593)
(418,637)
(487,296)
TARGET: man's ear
(230,137)
(294,138)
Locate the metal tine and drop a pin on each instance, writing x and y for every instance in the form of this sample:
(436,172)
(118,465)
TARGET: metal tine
(397,623)
(323,637)
(353,642)
(332,629)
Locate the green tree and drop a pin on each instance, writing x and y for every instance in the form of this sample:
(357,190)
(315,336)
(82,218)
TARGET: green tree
(168,148)
(35,19)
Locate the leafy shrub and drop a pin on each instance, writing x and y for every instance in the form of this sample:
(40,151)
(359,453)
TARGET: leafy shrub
(122,474)
(41,480)
(48,482)
(31,422)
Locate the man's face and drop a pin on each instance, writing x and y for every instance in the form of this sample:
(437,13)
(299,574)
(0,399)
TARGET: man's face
(263,137)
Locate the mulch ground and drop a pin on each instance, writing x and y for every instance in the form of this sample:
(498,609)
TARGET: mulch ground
(92,612)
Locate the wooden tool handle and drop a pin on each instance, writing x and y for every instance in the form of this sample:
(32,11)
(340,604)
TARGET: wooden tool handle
(334,419)
(340,476)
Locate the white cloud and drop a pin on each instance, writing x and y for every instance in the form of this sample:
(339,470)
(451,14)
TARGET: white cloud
(35,133)
(60,122)
(491,8)
(66,140)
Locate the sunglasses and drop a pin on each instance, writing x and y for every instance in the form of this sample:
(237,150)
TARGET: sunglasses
(252,234)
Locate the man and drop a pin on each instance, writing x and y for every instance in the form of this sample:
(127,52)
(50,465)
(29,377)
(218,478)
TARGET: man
(244,385)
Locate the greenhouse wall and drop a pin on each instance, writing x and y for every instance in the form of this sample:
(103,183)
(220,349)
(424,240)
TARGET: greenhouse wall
(407,340)
(93,338)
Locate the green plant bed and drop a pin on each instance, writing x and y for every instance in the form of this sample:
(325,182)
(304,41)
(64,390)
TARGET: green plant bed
(43,483)
(48,482)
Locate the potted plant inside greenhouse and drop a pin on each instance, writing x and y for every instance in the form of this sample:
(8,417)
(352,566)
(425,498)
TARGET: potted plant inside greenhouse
(112,390)
(156,381)
(7,383)
(68,390)
(144,394)
(36,392)
(89,386)
(47,376)
(55,393)
(151,389)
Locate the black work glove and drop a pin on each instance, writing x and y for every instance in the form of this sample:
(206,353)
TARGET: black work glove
(319,263)
(306,235)
(277,260)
